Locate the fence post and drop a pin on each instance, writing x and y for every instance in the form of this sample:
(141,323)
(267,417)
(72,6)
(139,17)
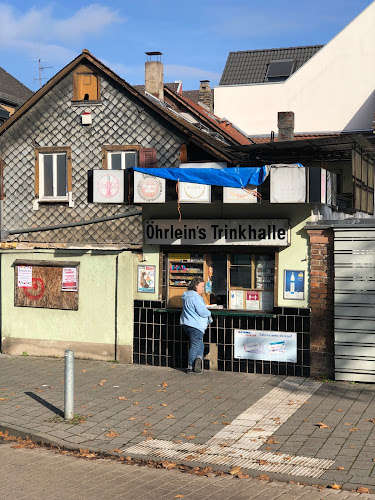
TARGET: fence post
(69,385)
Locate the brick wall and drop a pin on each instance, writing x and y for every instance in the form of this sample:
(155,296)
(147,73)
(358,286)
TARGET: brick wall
(321,302)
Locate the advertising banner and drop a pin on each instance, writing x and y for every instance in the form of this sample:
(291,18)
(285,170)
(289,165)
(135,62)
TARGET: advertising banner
(265,345)
(294,285)
(146,279)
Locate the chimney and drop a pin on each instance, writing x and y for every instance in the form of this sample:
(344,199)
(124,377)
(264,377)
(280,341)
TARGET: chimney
(154,75)
(285,123)
(205,95)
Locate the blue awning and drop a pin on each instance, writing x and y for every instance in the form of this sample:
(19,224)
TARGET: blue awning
(237,177)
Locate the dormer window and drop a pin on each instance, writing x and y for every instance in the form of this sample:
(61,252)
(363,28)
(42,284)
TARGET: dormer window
(279,71)
(86,84)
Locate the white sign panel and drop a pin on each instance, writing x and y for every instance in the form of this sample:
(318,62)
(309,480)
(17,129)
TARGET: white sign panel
(238,195)
(108,186)
(266,346)
(148,189)
(189,192)
(259,232)
(288,184)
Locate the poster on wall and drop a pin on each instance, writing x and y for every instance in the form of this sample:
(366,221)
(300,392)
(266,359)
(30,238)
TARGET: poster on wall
(294,285)
(146,279)
(236,299)
(25,277)
(252,301)
(69,279)
(265,345)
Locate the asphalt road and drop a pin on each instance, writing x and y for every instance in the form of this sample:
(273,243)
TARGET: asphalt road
(39,473)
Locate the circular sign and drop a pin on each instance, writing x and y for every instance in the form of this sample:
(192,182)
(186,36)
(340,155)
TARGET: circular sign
(149,188)
(108,186)
(194,191)
(36,292)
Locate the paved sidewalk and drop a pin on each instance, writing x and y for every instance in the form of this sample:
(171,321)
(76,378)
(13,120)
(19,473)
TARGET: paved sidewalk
(262,424)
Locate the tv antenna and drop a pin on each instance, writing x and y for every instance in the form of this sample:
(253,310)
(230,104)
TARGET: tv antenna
(41,68)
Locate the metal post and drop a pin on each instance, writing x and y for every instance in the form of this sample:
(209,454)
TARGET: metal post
(69,385)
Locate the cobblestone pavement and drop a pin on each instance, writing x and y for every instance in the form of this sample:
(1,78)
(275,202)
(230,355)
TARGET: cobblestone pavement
(262,423)
(35,474)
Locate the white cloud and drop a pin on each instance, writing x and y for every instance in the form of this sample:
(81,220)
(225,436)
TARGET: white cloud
(38,32)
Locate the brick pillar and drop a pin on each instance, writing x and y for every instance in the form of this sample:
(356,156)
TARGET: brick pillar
(321,302)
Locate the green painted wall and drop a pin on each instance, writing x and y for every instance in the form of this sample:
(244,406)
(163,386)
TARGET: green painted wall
(95,320)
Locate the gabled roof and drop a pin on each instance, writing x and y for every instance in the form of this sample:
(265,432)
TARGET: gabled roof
(198,137)
(12,91)
(250,66)
(221,126)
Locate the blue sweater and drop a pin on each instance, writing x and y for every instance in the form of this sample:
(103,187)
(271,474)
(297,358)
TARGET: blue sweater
(194,312)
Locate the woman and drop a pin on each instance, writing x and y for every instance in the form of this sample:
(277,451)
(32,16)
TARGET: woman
(195,318)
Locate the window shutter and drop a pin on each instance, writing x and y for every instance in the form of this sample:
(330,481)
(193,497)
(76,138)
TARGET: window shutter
(147,157)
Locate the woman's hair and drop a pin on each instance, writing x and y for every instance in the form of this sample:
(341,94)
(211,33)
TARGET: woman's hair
(194,283)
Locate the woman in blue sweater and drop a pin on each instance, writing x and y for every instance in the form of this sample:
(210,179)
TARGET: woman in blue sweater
(195,318)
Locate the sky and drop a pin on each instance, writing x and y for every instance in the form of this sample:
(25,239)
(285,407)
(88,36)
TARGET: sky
(194,36)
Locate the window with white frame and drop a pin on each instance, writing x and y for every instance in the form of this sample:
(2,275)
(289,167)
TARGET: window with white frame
(53,174)
(121,160)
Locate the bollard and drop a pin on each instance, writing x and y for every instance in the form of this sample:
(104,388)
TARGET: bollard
(69,385)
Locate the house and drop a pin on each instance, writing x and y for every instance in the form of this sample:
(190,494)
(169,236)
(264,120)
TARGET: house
(330,89)
(71,243)
(12,94)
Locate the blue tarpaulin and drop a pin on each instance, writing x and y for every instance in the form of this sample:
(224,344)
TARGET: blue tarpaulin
(237,177)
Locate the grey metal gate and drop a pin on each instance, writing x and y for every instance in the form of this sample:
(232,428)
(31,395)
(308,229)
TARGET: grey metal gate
(354,257)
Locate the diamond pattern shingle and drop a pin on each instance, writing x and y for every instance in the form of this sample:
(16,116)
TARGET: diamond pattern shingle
(54,121)
(250,66)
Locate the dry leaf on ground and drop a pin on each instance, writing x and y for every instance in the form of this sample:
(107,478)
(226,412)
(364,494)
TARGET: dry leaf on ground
(116,450)
(179,496)
(321,425)
(263,477)
(111,434)
(353,429)
(170,416)
(4,399)
(163,404)
(370,420)
(191,437)
(234,470)
(102,382)
(122,398)
(341,468)
(165,384)
(335,486)
(362,489)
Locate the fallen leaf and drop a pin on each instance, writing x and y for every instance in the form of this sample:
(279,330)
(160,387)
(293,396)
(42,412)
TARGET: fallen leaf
(102,382)
(111,434)
(263,477)
(165,384)
(262,462)
(335,486)
(137,390)
(321,425)
(132,418)
(163,404)
(234,470)
(217,397)
(341,468)
(348,423)
(339,409)
(353,429)
(168,465)
(362,489)
(147,424)
(191,457)
(191,437)
(179,496)
(370,420)
(202,450)
(136,403)
(4,399)
(149,407)
(258,429)
(83,371)
(116,450)
(287,458)
(170,416)
(215,423)
(241,475)
(161,390)
(225,423)
(122,398)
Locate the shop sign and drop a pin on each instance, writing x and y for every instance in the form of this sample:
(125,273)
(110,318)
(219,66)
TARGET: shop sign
(148,189)
(265,345)
(259,232)
(238,195)
(108,186)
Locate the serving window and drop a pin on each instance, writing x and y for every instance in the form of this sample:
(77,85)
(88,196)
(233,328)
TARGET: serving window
(233,280)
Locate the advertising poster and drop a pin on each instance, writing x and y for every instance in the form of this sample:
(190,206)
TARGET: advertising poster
(69,279)
(265,345)
(25,277)
(146,279)
(252,301)
(294,285)
(236,299)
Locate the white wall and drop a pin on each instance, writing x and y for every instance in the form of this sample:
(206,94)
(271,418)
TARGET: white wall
(333,91)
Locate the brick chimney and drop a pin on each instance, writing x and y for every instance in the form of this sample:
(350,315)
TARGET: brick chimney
(205,95)
(154,75)
(285,123)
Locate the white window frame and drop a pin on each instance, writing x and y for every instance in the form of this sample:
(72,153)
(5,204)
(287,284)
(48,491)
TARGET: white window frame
(123,155)
(54,197)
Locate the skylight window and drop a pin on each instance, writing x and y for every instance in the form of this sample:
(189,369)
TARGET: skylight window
(278,71)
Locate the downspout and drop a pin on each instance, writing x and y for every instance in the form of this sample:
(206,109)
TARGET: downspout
(1,233)
(116,309)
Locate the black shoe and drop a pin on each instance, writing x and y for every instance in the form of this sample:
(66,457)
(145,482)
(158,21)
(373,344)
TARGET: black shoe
(189,370)
(198,365)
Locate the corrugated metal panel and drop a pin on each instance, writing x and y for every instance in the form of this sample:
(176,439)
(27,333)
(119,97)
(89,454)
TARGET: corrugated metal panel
(354,253)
